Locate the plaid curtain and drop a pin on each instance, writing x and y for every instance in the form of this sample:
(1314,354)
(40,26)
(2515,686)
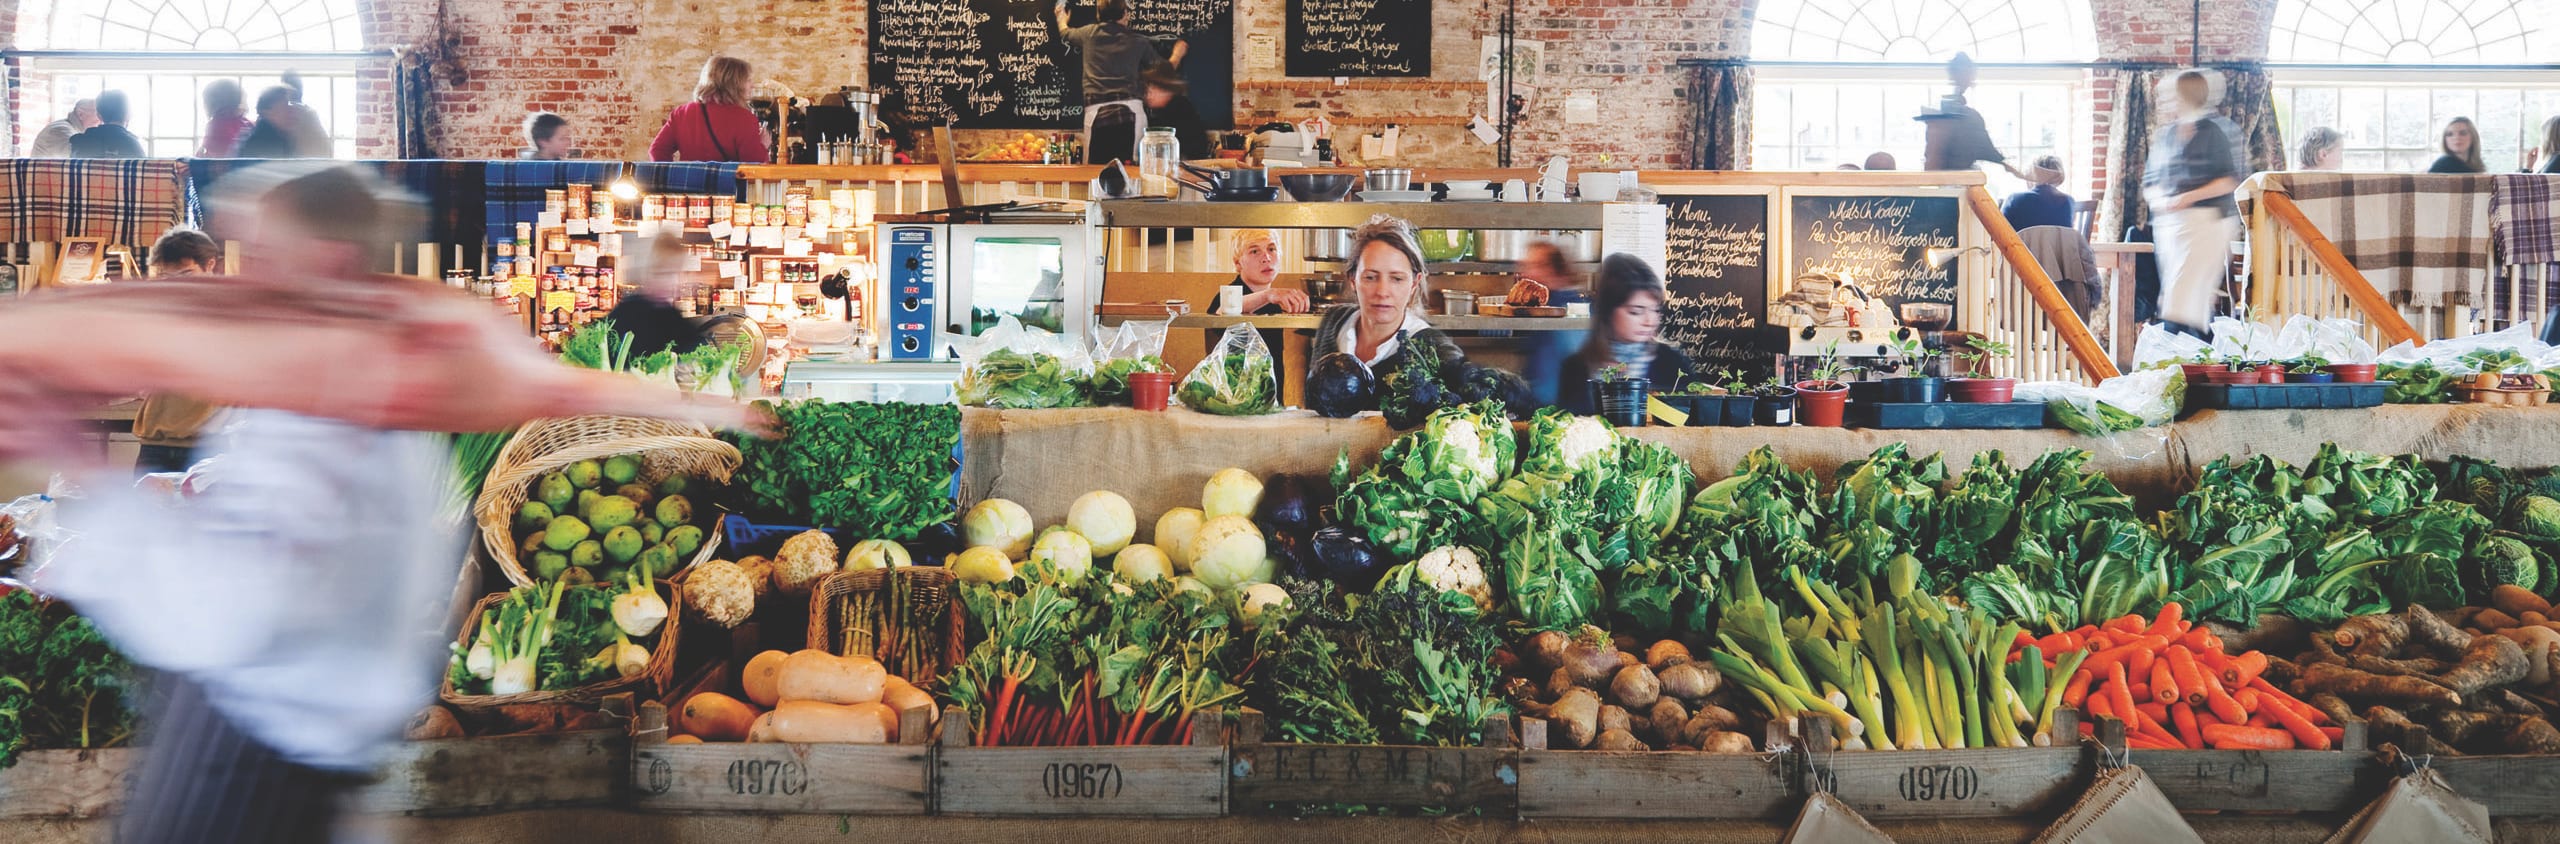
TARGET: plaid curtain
(1719,116)
(2248,101)
(413,104)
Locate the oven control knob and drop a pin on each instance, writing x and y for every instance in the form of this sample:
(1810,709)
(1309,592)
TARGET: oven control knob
(910,344)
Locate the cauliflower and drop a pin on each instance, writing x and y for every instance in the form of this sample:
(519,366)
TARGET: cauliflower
(803,559)
(759,572)
(1563,444)
(1455,569)
(1588,443)
(721,592)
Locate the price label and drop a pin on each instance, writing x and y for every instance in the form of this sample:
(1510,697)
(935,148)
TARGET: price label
(719,230)
(1081,782)
(559,300)
(523,286)
(576,227)
(762,777)
(1938,783)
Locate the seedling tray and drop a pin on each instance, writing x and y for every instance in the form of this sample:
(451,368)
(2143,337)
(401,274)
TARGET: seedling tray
(1948,414)
(2286,396)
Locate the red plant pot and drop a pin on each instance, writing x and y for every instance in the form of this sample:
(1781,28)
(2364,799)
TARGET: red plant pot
(2227,377)
(1982,390)
(2272,373)
(1820,407)
(2197,372)
(2353,373)
(1150,390)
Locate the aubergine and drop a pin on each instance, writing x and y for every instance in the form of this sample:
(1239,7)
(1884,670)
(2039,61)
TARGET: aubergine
(1293,503)
(1347,559)
(936,541)
(1339,387)
(1296,554)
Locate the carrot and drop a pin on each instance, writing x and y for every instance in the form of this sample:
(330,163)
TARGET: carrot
(2202,641)
(2164,682)
(2141,689)
(2221,703)
(2248,699)
(2099,661)
(2059,643)
(2183,717)
(2262,719)
(2024,639)
(2128,624)
(2076,692)
(2138,663)
(2100,640)
(2121,691)
(2209,661)
(2182,670)
(2167,625)
(2244,668)
(2269,693)
(2303,732)
(2146,741)
(2157,712)
(2335,734)
(2101,705)
(2228,737)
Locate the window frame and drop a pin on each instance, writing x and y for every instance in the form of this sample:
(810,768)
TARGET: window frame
(38,69)
(2496,154)
(2073,76)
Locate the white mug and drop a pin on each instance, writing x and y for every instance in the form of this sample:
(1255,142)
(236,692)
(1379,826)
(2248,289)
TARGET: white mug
(1515,190)
(1552,190)
(1231,301)
(1599,187)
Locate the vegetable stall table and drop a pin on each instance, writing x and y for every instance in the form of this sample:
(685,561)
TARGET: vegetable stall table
(1297,334)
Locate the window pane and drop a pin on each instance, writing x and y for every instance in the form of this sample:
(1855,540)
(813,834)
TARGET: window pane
(1922,30)
(2415,32)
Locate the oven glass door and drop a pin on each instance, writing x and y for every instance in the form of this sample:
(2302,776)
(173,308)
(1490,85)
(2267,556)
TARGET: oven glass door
(1023,277)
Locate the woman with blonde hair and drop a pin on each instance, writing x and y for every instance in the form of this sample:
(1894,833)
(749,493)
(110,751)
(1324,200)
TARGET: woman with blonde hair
(1384,320)
(2461,148)
(2323,148)
(716,125)
(2545,158)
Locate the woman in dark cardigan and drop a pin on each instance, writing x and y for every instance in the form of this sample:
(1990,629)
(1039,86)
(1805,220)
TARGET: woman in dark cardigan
(1626,317)
(1385,322)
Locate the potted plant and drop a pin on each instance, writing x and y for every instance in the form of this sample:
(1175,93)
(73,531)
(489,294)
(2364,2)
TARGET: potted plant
(1619,397)
(1773,403)
(2308,369)
(1977,384)
(1916,384)
(1735,406)
(2503,370)
(2353,373)
(2201,368)
(1825,397)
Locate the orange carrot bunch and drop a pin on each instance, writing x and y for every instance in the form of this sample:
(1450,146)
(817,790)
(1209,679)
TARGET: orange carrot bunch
(2172,685)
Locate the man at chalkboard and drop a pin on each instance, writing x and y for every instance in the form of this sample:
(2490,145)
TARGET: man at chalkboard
(1116,59)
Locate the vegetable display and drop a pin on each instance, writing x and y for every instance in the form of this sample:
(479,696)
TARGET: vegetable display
(1595,695)
(1092,662)
(1232,385)
(1409,663)
(876,470)
(560,635)
(61,684)
(2475,680)
(1109,384)
(595,520)
(2174,686)
(800,697)
(1004,378)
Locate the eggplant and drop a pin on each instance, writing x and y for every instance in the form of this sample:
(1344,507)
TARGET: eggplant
(936,542)
(1338,386)
(1296,555)
(1293,503)
(1346,559)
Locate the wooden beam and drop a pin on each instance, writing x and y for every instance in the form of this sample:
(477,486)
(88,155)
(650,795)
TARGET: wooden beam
(2066,322)
(2377,310)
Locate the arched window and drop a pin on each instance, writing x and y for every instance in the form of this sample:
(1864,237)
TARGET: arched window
(1840,79)
(162,53)
(2389,74)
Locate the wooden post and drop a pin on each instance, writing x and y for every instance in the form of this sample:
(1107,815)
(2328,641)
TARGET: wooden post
(2066,728)
(2066,322)
(2377,310)
(1533,733)
(1817,746)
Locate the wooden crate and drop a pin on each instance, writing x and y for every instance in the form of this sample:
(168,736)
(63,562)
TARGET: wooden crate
(502,773)
(1955,783)
(2508,785)
(67,784)
(2340,780)
(1272,777)
(1160,781)
(1653,785)
(837,779)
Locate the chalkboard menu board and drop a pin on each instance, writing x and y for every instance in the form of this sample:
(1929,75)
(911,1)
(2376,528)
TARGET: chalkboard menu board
(1358,38)
(1717,275)
(1881,242)
(996,64)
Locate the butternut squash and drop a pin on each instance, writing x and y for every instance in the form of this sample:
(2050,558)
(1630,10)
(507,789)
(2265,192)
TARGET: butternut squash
(761,732)
(805,721)
(814,675)
(684,739)
(762,678)
(902,696)
(717,717)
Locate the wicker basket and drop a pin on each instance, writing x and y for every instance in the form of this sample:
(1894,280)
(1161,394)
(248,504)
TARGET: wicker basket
(662,662)
(925,586)
(665,448)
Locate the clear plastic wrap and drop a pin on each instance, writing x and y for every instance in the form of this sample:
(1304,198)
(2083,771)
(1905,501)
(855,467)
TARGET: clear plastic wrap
(1238,378)
(1015,367)
(1131,348)
(31,534)
(2127,410)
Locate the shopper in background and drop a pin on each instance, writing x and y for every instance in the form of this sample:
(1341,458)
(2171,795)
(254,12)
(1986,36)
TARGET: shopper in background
(1257,258)
(1880,161)
(169,423)
(1115,59)
(716,125)
(2323,148)
(110,138)
(2461,148)
(1547,278)
(649,314)
(1168,105)
(274,134)
(184,252)
(1626,326)
(1957,138)
(227,119)
(2545,158)
(2043,205)
(2195,167)
(54,140)
(546,137)
(1385,320)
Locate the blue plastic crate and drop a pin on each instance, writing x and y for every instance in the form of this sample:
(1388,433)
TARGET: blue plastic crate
(1948,415)
(2286,396)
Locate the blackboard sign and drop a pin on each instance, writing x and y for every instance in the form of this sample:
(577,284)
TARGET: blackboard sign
(997,64)
(1358,38)
(1717,275)
(1880,242)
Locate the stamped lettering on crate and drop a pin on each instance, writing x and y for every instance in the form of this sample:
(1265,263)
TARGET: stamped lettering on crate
(1085,781)
(1371,765)
(1925,783)
(757,777)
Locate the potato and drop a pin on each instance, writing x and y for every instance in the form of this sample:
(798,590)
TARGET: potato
(762,678)
(1666,653)
(1544,652)
(1666,719)
(1619,740)
(1725,741)
(1690,681)
(433,722)
(1559,682)
(815,675)
(1635,687)
(1615,718)
(1578,712)
(1707,721)
(807,721)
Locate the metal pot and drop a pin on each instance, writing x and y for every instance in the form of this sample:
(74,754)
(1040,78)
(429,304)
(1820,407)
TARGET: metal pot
(1328,244)
(1581,247)
(1387,179)
(1505,244)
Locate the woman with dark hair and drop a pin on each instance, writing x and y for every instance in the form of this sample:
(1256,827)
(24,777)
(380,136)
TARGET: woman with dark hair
(1384,321)
(1626,322)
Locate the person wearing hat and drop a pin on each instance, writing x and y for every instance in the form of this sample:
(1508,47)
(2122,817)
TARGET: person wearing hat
(1257,258)
(1956,137)
(1168,104)
(2043,205)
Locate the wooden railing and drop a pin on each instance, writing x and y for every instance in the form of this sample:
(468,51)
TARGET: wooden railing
(2019,305)
(2297,270)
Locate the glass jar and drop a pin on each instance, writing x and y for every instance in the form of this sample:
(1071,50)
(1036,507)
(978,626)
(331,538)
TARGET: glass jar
(1159,162)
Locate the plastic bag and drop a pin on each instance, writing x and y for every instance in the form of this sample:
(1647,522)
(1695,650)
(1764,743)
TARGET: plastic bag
(2238,341)
(2340,340)
(1236,379)
(2426,374)
(31,533)
(1015,367)
(2117,408)
(1133,347)
(2158,346)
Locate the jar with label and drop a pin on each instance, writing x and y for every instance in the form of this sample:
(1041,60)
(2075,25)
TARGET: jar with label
(653,207)
(697,211)
(555,201)
(1159,162)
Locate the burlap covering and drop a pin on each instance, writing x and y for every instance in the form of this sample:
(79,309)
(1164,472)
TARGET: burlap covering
(1043,459)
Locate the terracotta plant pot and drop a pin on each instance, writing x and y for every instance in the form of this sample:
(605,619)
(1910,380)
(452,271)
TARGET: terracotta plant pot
(2353,373)
(2196,372)
(1982,390)
(1150,390)
(2270,373)
(1822,406)
(2230,377)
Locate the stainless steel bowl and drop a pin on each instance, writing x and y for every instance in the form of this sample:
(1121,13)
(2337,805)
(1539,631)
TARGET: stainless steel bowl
(1328,244)
(1318,187)
(1327,289)
(1387,179)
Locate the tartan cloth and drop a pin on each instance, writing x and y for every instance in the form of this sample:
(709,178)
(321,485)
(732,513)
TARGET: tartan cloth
(515,188)
(2422,240)
(2522,210)
(455,193)
(130,202)
(717,178)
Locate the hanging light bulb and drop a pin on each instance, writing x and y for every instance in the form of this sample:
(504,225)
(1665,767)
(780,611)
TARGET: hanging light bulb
(624,189)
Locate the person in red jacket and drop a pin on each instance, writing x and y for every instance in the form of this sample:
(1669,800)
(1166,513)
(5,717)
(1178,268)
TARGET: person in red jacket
(717,125)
